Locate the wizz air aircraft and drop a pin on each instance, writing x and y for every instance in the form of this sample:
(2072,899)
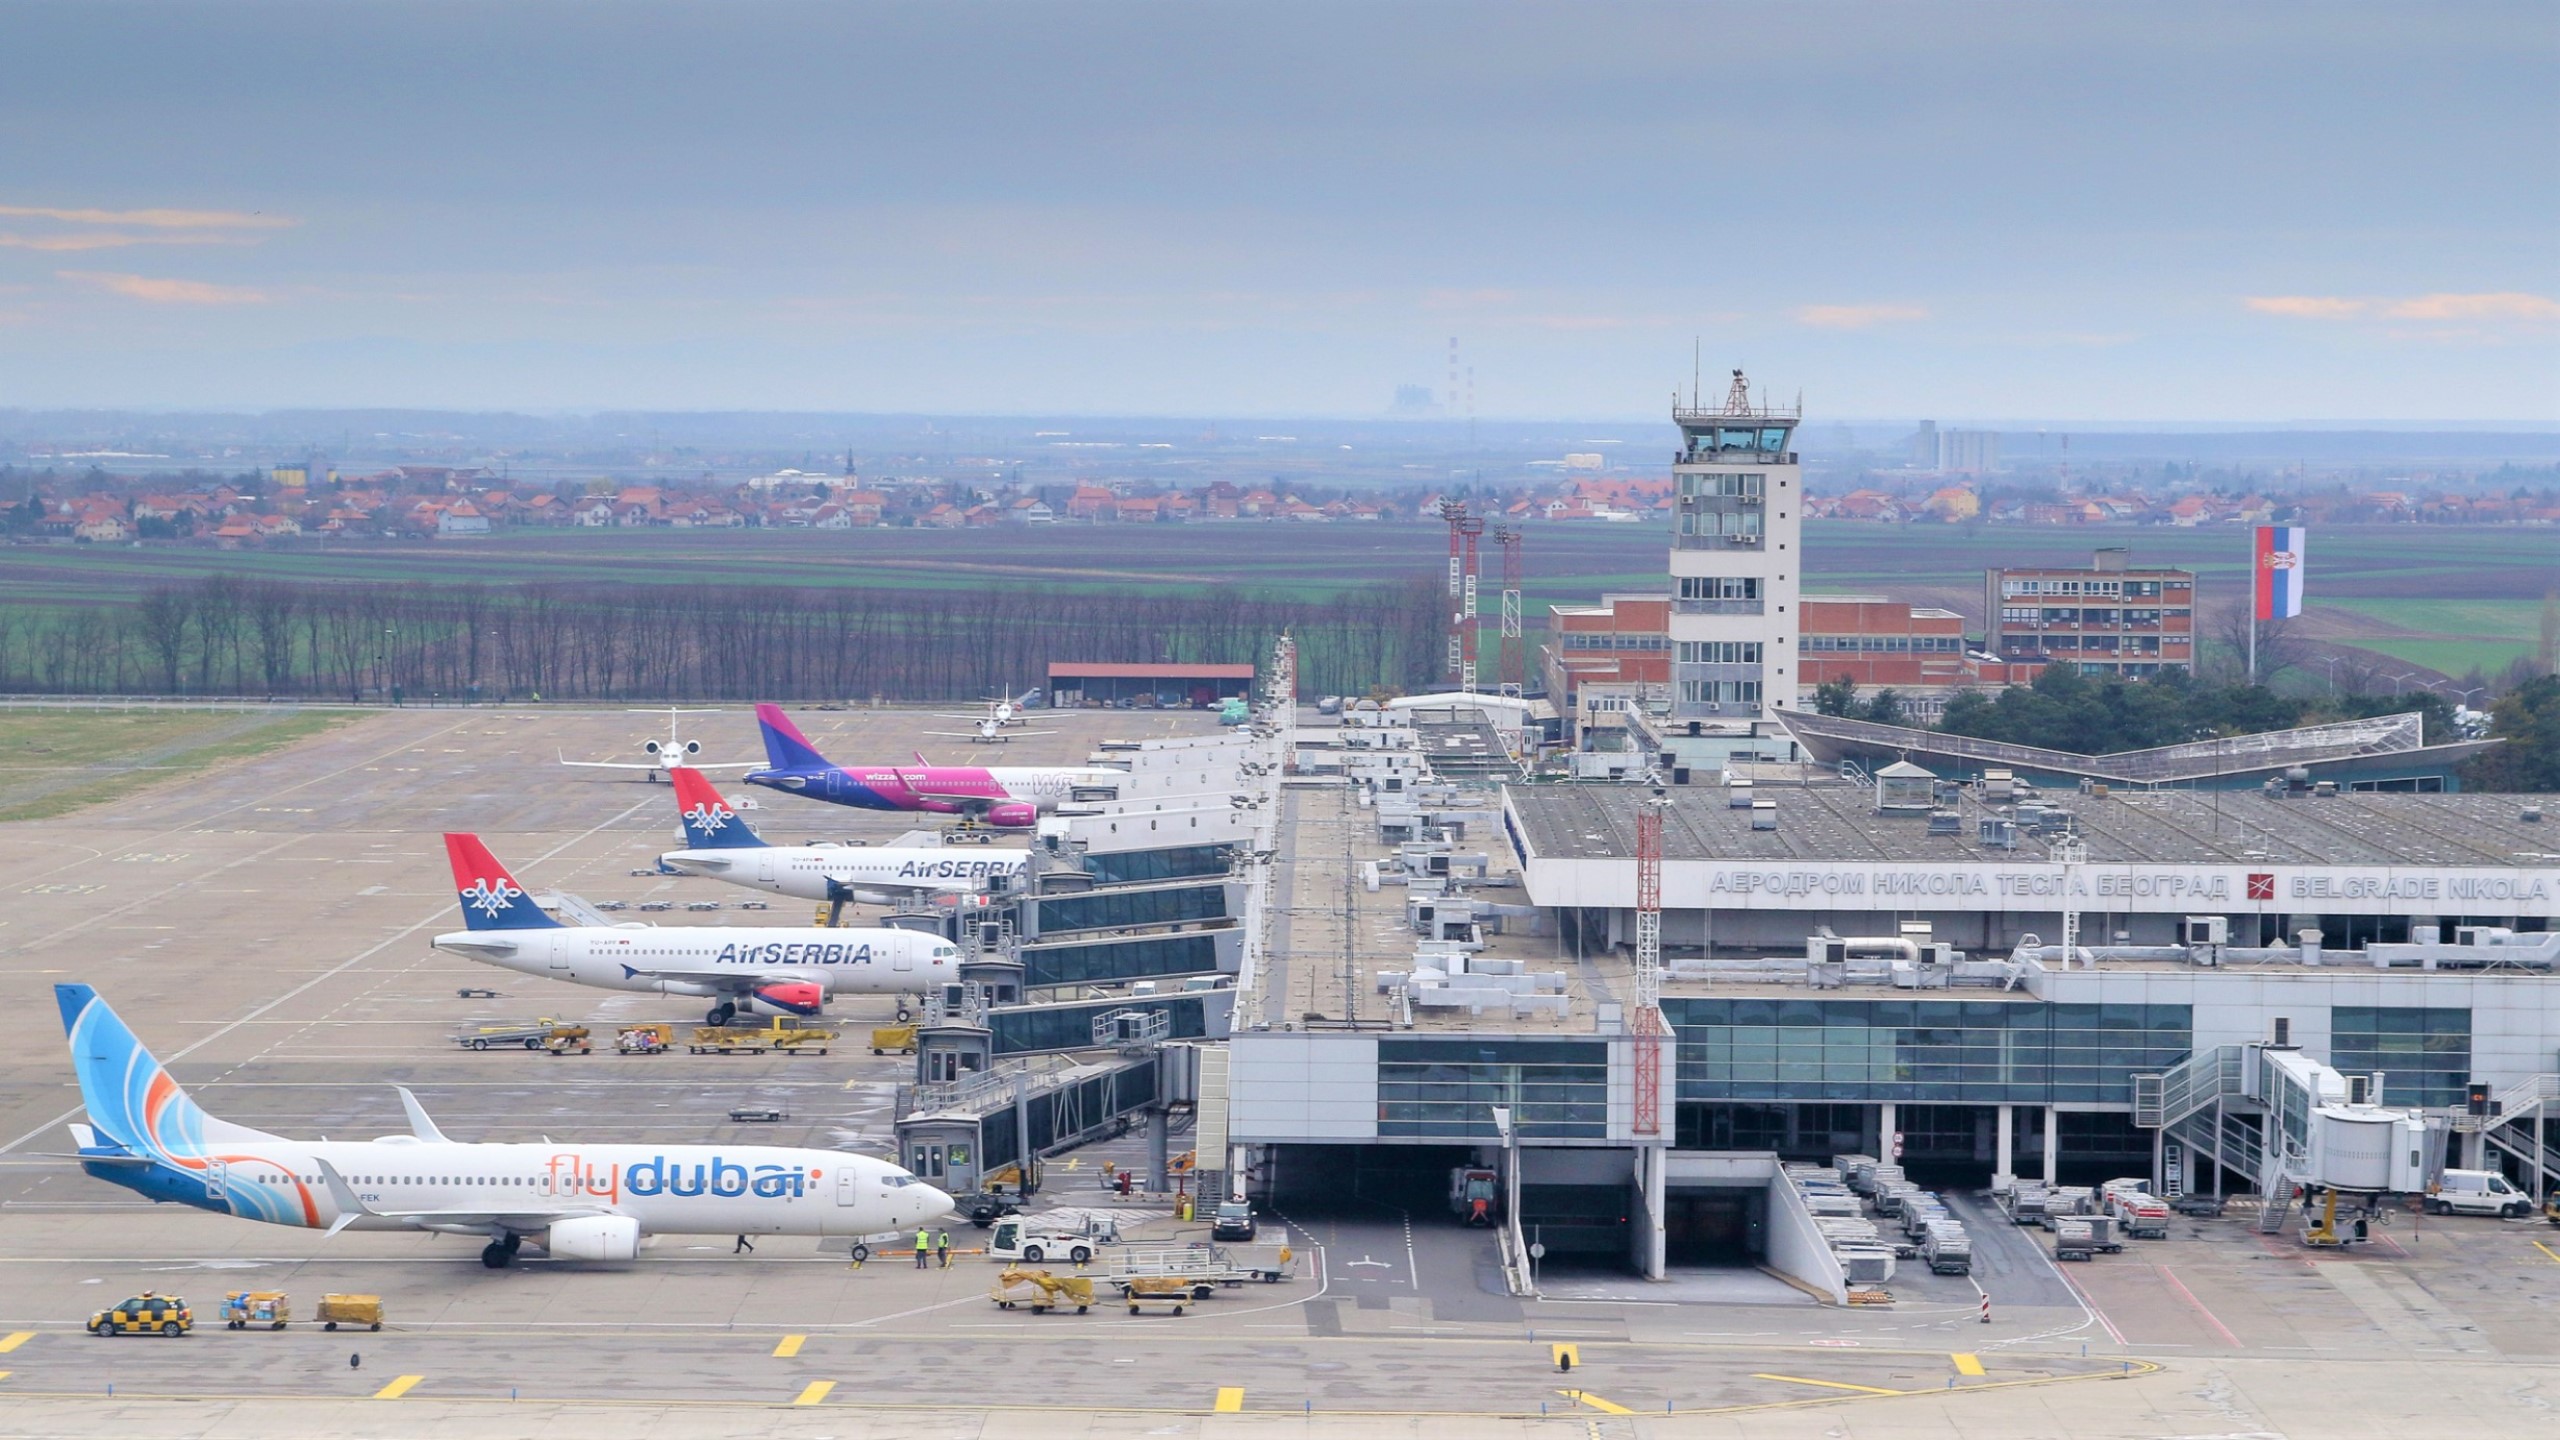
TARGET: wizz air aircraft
(576,1202)
(1009,797)
(721,845)
(762,970)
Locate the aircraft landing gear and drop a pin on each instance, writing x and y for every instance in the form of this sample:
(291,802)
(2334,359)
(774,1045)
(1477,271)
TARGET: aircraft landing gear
(721,1014)
(499,1254)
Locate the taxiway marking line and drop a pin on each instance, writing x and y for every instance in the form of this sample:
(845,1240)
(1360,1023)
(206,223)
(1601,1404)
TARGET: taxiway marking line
(2209,1317)
(14,1341)
(789,1347)
(1230,1399)
(398,1388)
(1830,1384)
(816,1393)
(1605,1407)
(2538,1245)
(1968,1364)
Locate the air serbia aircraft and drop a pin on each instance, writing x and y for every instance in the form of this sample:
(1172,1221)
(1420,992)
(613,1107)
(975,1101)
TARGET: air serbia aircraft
(577,1202)
(1009,797)
(720,845)
(763,970)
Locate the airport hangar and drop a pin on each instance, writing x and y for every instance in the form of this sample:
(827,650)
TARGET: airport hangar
(2434,968)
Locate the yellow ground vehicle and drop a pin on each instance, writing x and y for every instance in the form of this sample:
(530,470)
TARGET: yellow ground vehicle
(145,1314)
(336,1310)
(1149,1292)
(271,1309)
(644,1039)
(893,1040)
(1039,1292)
(779,1037)
(568,1040)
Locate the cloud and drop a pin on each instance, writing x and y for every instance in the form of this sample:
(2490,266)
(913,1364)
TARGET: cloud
(2495,305)
(2305,307)
(2499,305)
(156,219)
(162,292)
(109,240)
(1858,317)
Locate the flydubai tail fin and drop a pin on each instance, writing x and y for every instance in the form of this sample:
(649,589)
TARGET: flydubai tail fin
(491,898)
(784,746)
(133,1104)
(709,822)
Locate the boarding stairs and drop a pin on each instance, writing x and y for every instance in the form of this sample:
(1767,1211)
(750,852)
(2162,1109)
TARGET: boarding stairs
(2216,1104)
(2521,1115)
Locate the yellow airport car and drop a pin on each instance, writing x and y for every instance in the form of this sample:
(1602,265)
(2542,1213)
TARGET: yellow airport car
(145,1314)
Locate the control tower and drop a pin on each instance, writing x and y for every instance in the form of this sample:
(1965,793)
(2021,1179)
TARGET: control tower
(1737,559)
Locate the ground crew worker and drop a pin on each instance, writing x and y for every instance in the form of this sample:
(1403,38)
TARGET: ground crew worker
(744,1246)
(924,1247)
(942,1247)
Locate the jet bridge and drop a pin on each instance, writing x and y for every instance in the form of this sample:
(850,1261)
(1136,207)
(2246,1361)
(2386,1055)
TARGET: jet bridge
(2292,1124)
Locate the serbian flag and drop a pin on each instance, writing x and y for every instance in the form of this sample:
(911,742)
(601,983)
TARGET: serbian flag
(2278,570)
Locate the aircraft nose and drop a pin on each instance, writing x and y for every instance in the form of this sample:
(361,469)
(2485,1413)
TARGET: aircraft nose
(932,1203)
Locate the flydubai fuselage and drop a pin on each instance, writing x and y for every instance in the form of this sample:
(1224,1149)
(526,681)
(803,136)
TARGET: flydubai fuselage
(578,1201)
(721,845)
(771,970)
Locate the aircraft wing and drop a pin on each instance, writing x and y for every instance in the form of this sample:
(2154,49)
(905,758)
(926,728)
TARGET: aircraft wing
(957,734)
(730,981)
(658,766)
(350,1207)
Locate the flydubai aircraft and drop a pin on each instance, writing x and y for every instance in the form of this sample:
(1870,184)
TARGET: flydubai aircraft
(722,846)
(574,1201)
(761,970)
(1008,797)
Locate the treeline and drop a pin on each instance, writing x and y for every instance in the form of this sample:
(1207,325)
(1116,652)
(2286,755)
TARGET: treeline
(2100,715)
(420,642)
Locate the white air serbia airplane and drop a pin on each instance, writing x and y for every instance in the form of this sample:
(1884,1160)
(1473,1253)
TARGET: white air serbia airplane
(577,1202)
(721,845)
(763,970)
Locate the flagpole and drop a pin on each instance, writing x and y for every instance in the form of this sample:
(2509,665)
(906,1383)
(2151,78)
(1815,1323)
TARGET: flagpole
(2257,577)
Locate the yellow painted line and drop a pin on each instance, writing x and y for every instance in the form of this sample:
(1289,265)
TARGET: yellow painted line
(789,1347)
(1968,1364)
(816,1393)
(14,1341)
(398,1388)
(1230,1399)
(1830,1384)
(1605,1407)
(2538,1245)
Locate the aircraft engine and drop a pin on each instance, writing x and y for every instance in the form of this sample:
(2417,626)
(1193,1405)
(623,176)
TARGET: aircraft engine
(594,1237)
(792,998)
(1015,816)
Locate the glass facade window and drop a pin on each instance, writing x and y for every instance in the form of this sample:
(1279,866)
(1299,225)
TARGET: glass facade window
(1962,1051)
(1718,587)
(1447,1089)
(1181,862)
(2424,1055)
(1070,1027)
(1105,909)
(1720,652)
(1189,953)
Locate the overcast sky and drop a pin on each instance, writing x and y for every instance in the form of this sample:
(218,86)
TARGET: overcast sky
(2146,211)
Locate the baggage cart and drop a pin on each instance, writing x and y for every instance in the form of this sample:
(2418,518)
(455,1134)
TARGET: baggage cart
(1039,1292)
(2073,1238)
(264,1309)
(350,1310)
(1143,1293)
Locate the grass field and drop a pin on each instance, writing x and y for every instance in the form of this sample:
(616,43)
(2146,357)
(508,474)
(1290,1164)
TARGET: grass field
(2471,585)
(56,760)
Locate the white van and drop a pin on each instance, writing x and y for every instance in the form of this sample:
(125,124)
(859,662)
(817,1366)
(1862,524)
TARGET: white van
(2477,1192)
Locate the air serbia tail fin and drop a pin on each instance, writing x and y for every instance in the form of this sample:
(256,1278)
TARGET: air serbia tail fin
(133,1105)
(491,898)
(784,746)
(709,823)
